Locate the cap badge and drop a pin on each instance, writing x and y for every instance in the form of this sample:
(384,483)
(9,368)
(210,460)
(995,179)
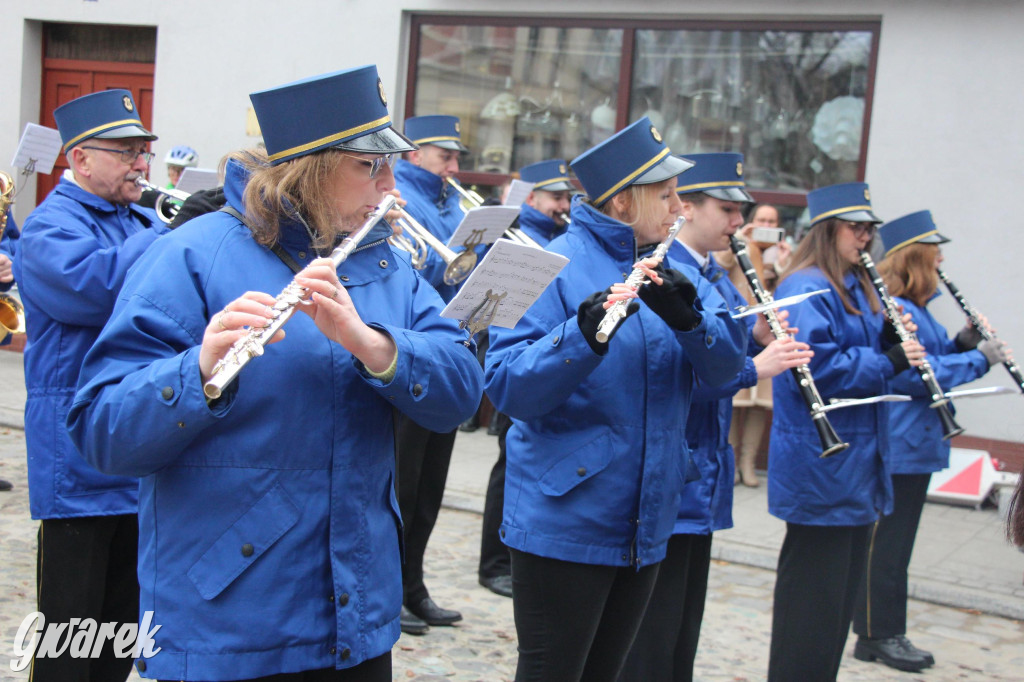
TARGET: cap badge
(380,90)
(127,101)
(457,131)
(739,168)
(655,134)
(561,168)
(867,195)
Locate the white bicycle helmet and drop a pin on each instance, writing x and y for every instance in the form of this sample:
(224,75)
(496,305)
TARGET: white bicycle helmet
(183,156)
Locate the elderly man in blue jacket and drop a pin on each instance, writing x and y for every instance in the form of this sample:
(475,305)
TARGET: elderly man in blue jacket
(75,250)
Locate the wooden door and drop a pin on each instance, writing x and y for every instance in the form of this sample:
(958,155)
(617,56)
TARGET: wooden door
(66,79)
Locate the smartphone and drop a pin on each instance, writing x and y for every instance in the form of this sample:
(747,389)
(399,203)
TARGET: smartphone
(767,235)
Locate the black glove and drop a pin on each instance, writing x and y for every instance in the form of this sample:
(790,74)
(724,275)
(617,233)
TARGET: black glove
(203,201)
(589,316)
(967,338)
(898,358)
(889,335)
(673,301)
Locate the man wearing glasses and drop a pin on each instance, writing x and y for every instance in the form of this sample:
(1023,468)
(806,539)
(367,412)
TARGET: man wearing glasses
(74,252)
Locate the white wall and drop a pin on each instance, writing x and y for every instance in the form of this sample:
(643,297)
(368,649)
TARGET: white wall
(944,132)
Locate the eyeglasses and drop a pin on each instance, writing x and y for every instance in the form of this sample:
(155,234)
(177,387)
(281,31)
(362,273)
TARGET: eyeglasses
(861,229)
(128,156)
(375,164)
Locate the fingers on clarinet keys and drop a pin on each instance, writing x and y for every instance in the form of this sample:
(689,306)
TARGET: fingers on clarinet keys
(673,301)
(994,350)
(590,314)
(968,338)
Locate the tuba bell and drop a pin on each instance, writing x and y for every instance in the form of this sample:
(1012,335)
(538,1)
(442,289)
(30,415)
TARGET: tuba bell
(12,313)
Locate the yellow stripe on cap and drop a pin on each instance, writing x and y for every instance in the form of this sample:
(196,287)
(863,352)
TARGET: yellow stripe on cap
(632,176)
(443,138)
(329,139)
(915,238)
(835,212)
(709,185)
(540,185)
(99,129)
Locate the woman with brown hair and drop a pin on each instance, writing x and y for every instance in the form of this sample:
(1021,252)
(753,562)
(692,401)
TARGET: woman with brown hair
(829,504)
(910,271)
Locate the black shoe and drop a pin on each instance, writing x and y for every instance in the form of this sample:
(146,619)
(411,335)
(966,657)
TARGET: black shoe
(499,584)
(5,485)
(493,429)
(427,610)
(889,650)
(469,426)
(926,655)
(411,625)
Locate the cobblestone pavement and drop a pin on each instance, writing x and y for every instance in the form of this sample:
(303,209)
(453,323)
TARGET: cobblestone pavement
(734,642)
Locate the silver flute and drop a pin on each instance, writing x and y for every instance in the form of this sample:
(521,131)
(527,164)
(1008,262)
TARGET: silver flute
(616,313)
(251,345)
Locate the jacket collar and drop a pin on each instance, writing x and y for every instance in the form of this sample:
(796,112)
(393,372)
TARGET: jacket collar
(614,237)
(423,181)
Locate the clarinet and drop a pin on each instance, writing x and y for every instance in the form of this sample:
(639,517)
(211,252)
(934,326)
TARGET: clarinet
(940,403)
(975,317)
(616,313)
(251,345)
(831,443)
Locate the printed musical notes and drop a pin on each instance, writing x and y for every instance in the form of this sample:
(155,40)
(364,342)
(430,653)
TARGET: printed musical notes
(483,225)
(193,180)
(37,149)
(518,190)
(516,273)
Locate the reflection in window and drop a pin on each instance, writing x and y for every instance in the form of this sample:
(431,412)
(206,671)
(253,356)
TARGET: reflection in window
(791,101)
(523,94)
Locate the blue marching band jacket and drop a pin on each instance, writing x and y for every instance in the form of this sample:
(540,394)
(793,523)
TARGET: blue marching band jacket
(290,473)
(706,502)
(72,258)
(538,226)
(596,454)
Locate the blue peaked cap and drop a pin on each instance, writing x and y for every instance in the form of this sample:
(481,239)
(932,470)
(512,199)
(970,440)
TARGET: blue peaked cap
(910,229)
(344,109)
(719,175)
(438,130)
(551,175)
(848,201)
(108,114)
(635,155)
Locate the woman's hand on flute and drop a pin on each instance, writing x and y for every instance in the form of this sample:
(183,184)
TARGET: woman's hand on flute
(251,309)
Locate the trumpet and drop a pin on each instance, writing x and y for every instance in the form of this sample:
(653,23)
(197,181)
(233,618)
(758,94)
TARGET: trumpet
(12,313)
(831,443)
(940,403)
(616,313)
(251,345)
(975,317)
(513,234)
(418,240)
(165,210)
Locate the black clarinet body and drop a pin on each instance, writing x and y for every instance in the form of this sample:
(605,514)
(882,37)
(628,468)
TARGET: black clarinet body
(939,401)
(831,443)
(975,317)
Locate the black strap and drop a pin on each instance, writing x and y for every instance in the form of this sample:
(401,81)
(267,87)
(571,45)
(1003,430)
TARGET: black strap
(275,247)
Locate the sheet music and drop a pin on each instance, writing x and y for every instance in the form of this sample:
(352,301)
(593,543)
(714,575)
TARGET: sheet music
(517,192)
(489,222)
(195,179)
(521,272)
(38,149)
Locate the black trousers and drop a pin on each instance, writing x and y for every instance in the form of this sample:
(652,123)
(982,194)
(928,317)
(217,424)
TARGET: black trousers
(819,575)
(575,621)
(882,604)
(374,670)
(423,459)
(87,568)
(666,644)
(494,558)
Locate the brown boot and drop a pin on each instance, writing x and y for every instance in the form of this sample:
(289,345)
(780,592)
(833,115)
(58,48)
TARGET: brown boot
(745,470)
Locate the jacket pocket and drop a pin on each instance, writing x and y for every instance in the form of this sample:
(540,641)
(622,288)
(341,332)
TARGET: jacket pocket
(579,465)
(244,542)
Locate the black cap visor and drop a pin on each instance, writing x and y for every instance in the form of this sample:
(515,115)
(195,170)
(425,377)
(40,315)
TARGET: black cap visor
(126,131)
(453,145)
(560,186)
(729,194)
(669,167)
(383,141)
(859,217)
